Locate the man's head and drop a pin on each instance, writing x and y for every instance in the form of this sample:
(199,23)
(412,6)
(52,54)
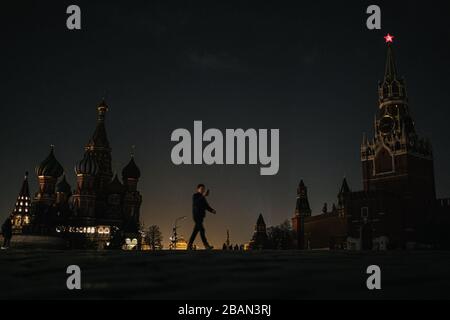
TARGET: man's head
(201,188)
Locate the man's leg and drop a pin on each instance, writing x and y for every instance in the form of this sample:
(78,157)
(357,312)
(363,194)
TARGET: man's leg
(203,235)
(193,236)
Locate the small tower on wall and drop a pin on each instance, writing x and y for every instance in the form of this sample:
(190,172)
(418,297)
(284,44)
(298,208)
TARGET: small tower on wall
(132,198)
(302,210)
(259,240)
(21,213)
(342,197)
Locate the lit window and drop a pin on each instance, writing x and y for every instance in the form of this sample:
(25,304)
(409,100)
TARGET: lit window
(20,209)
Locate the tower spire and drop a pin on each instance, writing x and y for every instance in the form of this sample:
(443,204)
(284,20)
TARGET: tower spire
(302,207)
(99,139)
(22,208)
(25,190)
(102,108)
(390,71)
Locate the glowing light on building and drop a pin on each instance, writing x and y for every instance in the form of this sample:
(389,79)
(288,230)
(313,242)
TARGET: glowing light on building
(389,38)
(23,205)
(130,244)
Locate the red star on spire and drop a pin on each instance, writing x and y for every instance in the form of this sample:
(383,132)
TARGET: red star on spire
(389,38)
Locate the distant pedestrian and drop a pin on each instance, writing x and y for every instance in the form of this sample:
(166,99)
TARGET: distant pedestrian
(7,233)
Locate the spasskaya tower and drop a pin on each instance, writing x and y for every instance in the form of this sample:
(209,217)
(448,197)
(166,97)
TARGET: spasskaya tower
(397,159)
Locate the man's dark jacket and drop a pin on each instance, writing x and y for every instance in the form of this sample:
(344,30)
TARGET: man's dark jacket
(200,206)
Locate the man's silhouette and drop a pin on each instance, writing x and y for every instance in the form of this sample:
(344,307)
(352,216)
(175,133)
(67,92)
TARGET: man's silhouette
(199,208)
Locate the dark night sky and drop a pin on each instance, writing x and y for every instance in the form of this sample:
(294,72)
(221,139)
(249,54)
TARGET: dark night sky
(310,70)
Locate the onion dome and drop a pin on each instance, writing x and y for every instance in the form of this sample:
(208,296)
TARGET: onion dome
(116,187)
(87,166)
(50,167)
(63,186)
(131,170)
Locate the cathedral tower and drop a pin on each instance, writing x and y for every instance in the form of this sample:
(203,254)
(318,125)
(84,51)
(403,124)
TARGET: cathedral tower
(100,148)
(63,191)
(132,199)
(21,213)
(397,160)
(48,172)
(84,197)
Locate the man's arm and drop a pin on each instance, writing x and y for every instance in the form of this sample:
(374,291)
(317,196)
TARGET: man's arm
(207,206)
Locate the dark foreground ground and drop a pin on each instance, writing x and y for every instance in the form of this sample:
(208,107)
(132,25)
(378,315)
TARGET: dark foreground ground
(37,274)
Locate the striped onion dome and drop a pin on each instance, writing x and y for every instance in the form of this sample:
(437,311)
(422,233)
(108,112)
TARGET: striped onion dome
(87,166)
(50,167)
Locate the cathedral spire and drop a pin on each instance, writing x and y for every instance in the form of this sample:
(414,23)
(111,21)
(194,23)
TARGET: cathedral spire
(102,108)
(99,139)
(100,150)
(25,190)
(21,212)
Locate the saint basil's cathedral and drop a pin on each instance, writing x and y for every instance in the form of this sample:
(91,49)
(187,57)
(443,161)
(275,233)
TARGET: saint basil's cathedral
(100,211)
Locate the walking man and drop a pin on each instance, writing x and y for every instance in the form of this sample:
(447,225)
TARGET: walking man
(199,208)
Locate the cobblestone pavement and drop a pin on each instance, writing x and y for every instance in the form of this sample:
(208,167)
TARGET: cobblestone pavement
(37,274)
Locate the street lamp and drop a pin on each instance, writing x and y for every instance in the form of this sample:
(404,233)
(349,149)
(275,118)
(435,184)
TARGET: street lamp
(174,237)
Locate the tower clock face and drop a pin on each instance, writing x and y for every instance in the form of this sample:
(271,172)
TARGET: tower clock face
(387,124)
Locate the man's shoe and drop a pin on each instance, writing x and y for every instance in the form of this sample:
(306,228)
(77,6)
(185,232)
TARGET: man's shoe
(208,247)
